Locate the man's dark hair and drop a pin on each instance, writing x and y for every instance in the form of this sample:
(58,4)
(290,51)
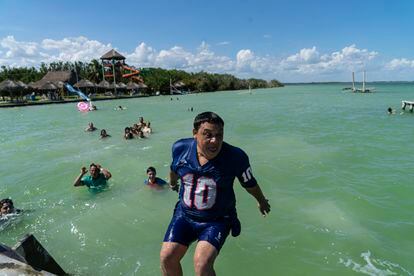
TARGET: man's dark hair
(6,200)
(209,117)
(93,165)
(151,169)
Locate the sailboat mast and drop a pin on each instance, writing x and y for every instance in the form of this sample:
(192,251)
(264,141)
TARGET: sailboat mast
(353,81)
(363,81)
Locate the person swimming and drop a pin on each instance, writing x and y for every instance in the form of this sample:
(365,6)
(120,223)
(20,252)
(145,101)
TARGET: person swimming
(153,181)
(104,134)
(90,127)
(128,134)
(7,207)
(390,111)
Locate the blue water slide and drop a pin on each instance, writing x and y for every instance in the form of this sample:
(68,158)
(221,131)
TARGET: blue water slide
(73,90)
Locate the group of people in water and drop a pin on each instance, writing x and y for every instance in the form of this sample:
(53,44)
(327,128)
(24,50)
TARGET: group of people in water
(141,129)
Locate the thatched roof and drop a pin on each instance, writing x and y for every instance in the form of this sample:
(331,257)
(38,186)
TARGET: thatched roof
(142,85)
(48,86)
(22,84)
(121,85)
(8,85)
(132,85)
(104,84)
(55,77)
(84,84)
(112,54)
(113,86)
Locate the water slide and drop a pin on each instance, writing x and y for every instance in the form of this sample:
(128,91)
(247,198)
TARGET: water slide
(133,71)
(73,90)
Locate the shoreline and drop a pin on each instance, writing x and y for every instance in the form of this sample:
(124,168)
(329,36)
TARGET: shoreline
(30,103)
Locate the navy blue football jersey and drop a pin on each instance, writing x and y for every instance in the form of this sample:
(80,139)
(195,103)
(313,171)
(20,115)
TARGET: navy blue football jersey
(206,192)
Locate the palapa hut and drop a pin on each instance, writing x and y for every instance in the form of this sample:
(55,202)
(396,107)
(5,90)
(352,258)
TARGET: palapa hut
(51,89)
(132,86)
(104,85)
(86,86)
(58,78)
(112,55)
(8,88)
(55,77)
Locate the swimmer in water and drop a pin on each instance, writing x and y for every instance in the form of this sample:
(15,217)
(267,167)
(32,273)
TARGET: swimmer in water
(7,207)
(153,181)
(97,179)
(104,134)
(90,127)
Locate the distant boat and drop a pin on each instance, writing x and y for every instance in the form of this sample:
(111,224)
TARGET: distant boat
(364,89)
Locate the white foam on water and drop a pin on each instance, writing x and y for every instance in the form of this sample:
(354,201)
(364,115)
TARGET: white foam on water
(374,267)
(79,235)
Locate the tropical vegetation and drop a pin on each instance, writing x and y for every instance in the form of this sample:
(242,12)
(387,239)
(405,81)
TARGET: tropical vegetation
(157,79)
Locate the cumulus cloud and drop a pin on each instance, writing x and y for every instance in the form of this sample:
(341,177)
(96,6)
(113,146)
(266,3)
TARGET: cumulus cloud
(22,53)
(400,63)
(310,61)
(307,63)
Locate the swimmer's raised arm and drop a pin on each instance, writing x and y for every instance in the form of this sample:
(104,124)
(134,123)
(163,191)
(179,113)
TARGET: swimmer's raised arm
(78,179)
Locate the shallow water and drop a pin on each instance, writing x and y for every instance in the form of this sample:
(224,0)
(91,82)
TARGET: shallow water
(336,168)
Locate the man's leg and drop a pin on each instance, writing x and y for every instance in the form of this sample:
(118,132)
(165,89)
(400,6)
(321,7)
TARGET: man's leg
(170,257)
(204,256)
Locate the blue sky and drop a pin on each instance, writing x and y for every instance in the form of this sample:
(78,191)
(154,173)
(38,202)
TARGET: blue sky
(292,41)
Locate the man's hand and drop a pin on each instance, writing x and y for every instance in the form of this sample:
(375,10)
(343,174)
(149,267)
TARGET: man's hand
(264,207)
(174,187)
(83,170)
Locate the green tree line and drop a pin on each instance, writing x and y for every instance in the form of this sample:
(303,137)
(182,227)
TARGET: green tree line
(157,79)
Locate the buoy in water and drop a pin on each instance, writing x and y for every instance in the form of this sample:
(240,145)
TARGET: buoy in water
(83,107)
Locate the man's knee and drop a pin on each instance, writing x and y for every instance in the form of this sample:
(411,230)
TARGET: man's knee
(167,258)
(171,254)
(201,266)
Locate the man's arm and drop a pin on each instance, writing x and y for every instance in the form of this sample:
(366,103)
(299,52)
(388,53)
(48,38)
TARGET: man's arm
(262,202)
(105,172)
(78,181)
(174,181)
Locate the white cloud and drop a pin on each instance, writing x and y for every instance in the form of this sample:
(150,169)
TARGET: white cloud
(223,43)
(309,60)
(308,64)
(399,63)
(18,49)
(21,53)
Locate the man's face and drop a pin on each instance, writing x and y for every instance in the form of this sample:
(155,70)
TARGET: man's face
(6,208)
(94,171)
(209,139)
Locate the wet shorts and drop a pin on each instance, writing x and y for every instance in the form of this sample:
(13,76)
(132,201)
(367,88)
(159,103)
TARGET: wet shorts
(184,230)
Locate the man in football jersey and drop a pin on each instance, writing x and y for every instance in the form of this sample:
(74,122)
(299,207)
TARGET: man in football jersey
(206,211)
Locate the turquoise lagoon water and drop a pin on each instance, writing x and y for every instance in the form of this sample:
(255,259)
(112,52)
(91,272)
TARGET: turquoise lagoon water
(338,172)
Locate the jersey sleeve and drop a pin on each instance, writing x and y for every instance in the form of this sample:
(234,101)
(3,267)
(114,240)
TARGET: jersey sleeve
(244,170)
(177,150)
